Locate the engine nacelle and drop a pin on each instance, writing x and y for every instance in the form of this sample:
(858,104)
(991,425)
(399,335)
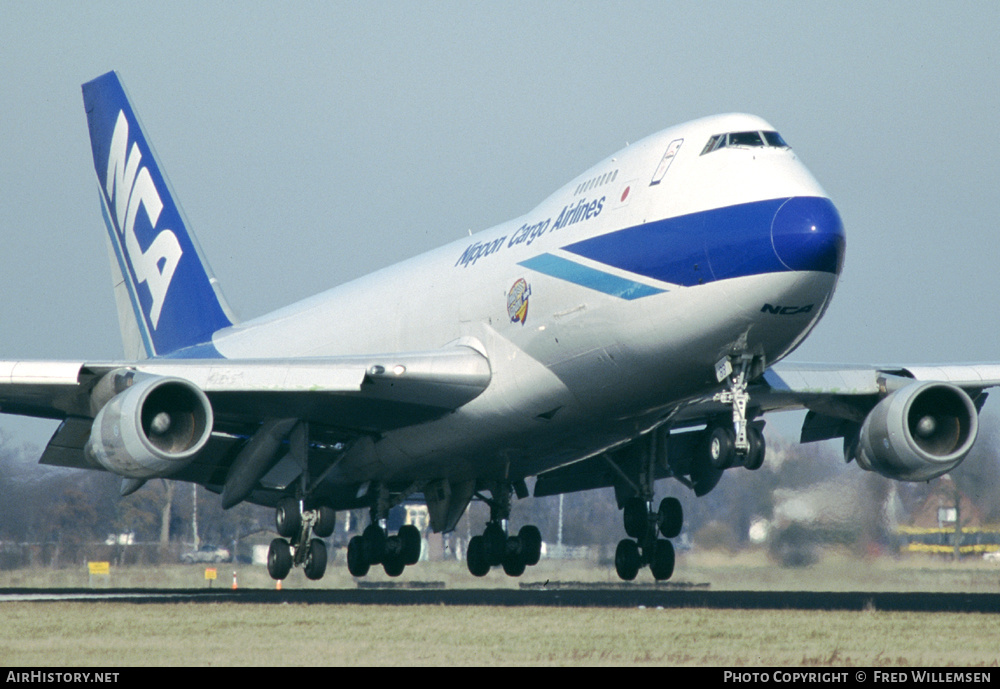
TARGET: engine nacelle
(918,433)
(152,428)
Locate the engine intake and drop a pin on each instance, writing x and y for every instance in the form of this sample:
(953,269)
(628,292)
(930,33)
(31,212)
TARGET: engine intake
(155,427)
(918,433)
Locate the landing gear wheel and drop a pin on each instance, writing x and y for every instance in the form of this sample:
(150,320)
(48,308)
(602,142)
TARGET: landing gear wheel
(662,562)
(494,540)
(392,558)
(374,539)
(721,447)
(513,558)
(409,537)
(315,563)
(476,557)
(627,560)
(670,517)
(636,517)
(357,561)
(325,523)
(279,559)
(755,458)
(531,544)
(288,518)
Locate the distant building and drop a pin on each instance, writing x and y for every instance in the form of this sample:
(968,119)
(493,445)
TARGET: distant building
(933,527)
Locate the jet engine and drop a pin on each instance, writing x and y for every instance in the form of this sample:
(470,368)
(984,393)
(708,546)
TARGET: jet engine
(152,428)
(919,432)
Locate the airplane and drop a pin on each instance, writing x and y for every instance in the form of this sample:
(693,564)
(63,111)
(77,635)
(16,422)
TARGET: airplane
(630,328)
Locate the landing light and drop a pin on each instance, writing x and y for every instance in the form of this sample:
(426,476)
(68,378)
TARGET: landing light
(399,369)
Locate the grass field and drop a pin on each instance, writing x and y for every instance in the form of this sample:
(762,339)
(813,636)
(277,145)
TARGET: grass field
(122,634)
(117,634)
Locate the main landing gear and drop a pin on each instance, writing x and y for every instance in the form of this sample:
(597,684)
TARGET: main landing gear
(495,547)
(301,532)
(300,528)
(374,547)
(650,531)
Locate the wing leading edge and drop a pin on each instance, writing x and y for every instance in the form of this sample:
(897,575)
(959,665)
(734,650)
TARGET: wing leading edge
(350,395)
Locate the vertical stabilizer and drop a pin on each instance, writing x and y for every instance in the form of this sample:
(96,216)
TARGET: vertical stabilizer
(168,300)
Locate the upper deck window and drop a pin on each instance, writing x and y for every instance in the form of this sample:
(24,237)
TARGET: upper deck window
(744,140)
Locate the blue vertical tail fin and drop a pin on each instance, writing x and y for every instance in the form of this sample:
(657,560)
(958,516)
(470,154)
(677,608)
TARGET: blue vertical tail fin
(169,302)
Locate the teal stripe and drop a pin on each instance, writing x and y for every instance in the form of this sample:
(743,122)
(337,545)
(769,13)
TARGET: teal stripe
(582,275)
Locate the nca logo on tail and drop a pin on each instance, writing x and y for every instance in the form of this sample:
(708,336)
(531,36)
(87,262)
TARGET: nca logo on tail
(129,186)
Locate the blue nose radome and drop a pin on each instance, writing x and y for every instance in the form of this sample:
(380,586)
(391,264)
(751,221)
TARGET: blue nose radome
(808,234)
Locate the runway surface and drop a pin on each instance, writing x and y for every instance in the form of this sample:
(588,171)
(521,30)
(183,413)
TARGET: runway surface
(558,596)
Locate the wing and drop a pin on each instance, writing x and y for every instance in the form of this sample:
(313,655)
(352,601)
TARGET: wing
(210,410)
(906,422)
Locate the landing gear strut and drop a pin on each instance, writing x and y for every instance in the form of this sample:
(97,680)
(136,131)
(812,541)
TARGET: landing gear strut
(495,547)
(300,529)
(649,531)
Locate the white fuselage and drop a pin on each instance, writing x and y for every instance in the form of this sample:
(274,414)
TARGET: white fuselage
(638,277)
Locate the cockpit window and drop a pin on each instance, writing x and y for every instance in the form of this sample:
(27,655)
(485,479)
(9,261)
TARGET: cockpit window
(744,139)
(774,139)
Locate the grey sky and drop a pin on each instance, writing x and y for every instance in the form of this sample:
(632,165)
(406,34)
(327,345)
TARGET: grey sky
(312,143)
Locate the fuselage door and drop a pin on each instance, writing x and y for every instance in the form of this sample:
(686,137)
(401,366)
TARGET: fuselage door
(668,158)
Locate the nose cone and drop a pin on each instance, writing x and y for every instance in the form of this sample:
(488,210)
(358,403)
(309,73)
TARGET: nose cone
(807,234)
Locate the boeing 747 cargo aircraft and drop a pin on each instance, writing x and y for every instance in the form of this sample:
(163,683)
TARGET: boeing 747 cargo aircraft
(628,329)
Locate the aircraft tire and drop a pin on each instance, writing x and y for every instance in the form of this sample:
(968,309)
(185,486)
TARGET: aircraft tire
(315,564)
(721,447)
(495,541)
(627,560)
(279,559)
(326,523)
(476,557)
(374,539)
(513,559)
(392,559)
(662,562)
(287,518)
(670,517)
(409,536)
(758,447)
(393,565)
(635,514)
(357,561)
(531,544)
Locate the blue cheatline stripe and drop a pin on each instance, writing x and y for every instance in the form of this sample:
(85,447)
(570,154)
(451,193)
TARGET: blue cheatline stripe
(724,243)
(578,274)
